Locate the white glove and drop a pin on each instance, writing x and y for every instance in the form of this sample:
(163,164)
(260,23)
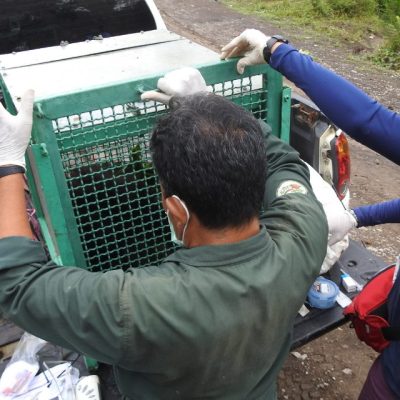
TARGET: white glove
(15,132)
(333,254)
(340,220)
(180,82)
(340,225)
(250,44)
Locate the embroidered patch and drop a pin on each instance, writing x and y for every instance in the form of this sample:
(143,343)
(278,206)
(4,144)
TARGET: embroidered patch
(290,187)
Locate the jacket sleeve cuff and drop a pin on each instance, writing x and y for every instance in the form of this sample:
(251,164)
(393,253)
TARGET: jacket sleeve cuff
(20,251)
(279,54)
(360,216)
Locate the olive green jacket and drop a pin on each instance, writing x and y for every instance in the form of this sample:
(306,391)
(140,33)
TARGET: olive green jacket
(211,322)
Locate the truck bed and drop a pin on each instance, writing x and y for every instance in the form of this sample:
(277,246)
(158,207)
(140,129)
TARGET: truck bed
(361,265)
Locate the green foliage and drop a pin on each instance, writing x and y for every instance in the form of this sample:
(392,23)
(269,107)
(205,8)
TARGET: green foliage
(388,9)
(349,8)
(350,21)
(389,55)
(385,9)
(320,8)
(388,58)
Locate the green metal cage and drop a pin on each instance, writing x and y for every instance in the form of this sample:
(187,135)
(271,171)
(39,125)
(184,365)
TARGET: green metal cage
(96,194)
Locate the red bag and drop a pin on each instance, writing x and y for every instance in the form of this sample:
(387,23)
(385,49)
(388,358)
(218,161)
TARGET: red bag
(368,311)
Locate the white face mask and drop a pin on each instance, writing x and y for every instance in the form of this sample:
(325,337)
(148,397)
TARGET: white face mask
(174,239)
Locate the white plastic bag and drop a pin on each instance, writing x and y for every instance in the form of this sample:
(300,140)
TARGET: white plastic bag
(332,206)
(22,367)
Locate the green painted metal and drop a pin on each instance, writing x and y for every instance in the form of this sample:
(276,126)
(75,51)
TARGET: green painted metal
(85,136)
(273,83)
(92,180)
(7,98)
(91,365)
(35,193)
(54,206)
(285,114)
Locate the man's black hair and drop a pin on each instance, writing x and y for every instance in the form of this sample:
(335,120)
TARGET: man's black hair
(210,152)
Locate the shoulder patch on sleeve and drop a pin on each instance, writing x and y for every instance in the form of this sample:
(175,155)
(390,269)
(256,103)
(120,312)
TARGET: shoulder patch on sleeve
(288,187)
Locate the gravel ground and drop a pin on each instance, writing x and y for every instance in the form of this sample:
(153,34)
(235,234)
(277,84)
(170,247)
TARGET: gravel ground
(334,366)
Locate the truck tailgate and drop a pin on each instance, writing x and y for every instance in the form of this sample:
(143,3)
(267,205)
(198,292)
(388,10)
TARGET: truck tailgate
(360,264)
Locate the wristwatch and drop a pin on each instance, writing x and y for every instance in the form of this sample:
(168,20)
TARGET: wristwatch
(271,41)
(6,170)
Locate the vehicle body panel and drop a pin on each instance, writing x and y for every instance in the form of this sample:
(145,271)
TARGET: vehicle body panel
(32,24)
(68,69)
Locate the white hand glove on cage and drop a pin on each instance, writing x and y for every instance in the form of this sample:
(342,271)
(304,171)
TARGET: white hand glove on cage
(249,44)
(181,82)
(15,132)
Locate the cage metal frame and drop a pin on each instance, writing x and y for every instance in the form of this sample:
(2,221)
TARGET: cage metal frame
(45,170)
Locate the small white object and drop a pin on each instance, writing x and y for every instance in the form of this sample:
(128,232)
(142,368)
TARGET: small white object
(347,371)
(324,288)
(303,310)
(88,388)
(349,283)
(342,299)
(16,378)
(396,270)
(298,355)
(40,387)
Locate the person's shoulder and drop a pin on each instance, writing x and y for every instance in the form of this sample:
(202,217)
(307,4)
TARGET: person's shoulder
(158,272)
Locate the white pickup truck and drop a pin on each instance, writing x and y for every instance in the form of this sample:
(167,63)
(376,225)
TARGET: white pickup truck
(80,51)
(80,44)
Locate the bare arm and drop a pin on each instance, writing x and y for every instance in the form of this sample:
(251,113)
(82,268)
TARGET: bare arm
(15,132)
(13,217)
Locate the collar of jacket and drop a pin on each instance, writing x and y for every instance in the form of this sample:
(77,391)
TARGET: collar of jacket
(225,254)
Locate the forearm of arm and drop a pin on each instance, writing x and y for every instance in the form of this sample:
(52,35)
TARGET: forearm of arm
(376,214)
(65,306)
(13,217)
(340,100)
(360,116)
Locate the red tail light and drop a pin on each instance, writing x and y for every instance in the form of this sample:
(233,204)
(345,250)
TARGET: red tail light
(342,169)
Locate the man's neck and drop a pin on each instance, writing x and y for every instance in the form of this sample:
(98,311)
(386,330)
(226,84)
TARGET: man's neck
(197,235)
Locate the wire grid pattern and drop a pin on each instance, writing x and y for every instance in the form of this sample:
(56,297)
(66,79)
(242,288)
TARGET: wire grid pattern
(113,188)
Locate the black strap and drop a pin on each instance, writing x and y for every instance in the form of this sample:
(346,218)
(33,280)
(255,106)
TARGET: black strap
(391,333)
(6,170)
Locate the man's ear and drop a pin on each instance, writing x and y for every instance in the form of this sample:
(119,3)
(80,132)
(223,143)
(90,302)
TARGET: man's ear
(176,210)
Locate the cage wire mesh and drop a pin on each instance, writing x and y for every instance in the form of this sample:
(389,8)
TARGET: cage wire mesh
(112,185)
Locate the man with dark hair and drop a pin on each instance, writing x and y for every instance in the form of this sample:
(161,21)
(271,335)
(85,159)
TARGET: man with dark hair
(211,154)
(212,321)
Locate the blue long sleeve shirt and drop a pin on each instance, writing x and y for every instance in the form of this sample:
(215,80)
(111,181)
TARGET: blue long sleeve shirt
(371,124)
(376,214)
(361,117)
